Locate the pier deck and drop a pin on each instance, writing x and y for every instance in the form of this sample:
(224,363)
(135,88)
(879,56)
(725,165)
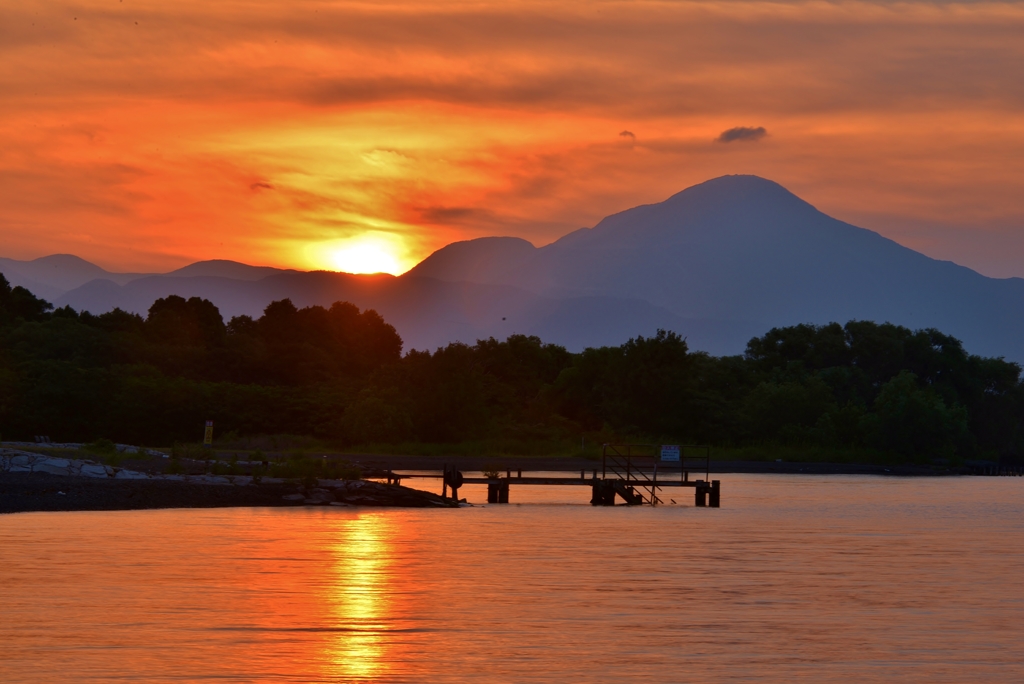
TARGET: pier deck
(633,472)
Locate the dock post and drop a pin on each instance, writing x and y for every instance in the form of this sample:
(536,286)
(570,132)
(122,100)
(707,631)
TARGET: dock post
(503,492)
(715,500)
(453,478)
(602,493)
(492,492)
(700,495)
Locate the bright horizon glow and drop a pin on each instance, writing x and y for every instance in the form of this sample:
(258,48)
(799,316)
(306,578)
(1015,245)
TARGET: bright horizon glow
(368,253)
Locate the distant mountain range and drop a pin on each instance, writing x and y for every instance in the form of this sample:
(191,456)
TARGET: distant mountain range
(719,263)
(53,276)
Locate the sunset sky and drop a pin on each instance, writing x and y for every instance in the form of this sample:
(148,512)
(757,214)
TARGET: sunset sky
(146,135)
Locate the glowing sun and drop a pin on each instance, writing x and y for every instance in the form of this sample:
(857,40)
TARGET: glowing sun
(368,253)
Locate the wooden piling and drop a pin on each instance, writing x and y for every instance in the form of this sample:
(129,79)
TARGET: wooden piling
(715,499)
(454,479)
(603,493)
(700,495)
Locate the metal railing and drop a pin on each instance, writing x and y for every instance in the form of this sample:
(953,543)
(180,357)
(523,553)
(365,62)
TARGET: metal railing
(638,465)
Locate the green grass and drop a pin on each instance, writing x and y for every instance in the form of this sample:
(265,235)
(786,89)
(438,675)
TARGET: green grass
(106,451)
(298,456)
(311,468)
(813,454)
(496,448)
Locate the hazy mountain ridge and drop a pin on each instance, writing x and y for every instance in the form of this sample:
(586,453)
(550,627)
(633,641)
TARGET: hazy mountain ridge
(719,263)
(52,276)
(224,268)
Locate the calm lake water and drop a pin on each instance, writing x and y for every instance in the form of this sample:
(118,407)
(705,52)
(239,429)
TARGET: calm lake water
(796,578)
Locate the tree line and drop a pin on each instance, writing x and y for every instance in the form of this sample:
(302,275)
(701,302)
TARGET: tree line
(338,374)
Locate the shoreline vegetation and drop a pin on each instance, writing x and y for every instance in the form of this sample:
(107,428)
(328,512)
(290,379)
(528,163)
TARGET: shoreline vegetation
(327,393)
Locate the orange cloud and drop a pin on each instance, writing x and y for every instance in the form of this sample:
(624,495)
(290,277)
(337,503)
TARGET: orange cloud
(143,135)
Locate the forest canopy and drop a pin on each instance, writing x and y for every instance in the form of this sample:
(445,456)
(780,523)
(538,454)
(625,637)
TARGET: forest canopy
(338,374)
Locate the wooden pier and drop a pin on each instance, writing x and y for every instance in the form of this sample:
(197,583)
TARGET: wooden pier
(634,473)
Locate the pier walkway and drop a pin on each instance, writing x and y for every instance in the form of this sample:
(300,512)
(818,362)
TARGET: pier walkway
(634,473)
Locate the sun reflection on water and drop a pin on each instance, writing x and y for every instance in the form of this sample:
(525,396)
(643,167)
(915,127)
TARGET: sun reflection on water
(358,602)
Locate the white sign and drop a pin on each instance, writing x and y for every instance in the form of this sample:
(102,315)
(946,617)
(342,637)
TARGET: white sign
(670,453)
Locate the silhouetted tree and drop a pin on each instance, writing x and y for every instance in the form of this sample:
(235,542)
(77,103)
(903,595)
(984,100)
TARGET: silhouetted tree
(17,303)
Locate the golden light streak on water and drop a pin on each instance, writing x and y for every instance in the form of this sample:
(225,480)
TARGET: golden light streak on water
(359,598)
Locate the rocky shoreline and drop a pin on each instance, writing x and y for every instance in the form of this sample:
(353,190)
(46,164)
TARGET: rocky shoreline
(39,482)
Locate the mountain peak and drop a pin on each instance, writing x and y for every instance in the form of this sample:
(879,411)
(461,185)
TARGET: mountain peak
(224,268)
(726,208)
(738,181)
(730,193)
(739,189)
(67,261)
(473,260)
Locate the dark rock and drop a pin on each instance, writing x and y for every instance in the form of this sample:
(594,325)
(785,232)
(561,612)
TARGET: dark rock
(365,493)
